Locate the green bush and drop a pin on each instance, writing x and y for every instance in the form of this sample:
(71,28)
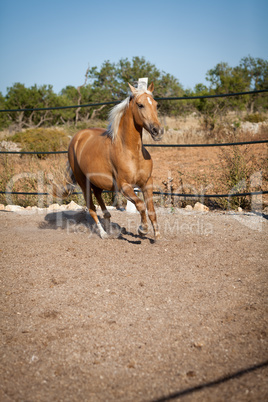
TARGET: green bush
(41,139)
(255,118)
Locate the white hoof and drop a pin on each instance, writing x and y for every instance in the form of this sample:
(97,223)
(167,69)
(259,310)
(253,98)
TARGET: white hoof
(104,235)
(102,232)
(157,236)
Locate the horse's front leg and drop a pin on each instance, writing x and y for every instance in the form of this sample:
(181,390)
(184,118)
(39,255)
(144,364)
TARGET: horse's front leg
(128,191)
(148,196)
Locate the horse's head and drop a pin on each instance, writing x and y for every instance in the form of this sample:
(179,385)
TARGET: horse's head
(145,111)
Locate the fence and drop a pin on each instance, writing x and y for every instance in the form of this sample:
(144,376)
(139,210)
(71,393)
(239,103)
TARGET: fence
(148,145)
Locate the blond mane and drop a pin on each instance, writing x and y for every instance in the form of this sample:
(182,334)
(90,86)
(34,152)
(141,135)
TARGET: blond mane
(117,112)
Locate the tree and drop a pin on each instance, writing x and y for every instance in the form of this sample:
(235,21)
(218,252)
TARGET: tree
(3,115)
(255,73)
(226,79)
(131,71)
(110,82)
(223,80)
(19,97)
(250,74)
(104,82)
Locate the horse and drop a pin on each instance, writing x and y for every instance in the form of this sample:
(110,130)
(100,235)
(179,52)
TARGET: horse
(116,159)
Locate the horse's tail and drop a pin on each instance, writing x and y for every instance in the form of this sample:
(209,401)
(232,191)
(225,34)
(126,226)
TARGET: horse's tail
(65,189)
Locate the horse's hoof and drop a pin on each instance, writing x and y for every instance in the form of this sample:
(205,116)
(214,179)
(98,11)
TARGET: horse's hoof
(142,231)
(104,235)
(156,236)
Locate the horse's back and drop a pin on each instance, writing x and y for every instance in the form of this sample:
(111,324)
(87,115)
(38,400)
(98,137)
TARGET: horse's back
(88,141)
(82,137)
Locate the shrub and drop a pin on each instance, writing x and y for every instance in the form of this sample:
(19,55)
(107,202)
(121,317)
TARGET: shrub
(237,167)
(41,139)
(255,118)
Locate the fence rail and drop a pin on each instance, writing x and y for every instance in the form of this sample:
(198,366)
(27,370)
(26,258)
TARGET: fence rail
(223,144)
(182,195)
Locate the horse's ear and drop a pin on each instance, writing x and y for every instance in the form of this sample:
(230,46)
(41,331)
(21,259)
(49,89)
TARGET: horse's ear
(151,87)
(133,90)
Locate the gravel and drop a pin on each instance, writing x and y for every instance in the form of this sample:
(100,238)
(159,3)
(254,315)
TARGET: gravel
(127,319)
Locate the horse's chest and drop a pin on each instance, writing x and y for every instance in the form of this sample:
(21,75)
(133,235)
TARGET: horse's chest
(137,171)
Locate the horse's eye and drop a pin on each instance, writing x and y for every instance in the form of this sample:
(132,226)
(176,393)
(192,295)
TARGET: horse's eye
(140,105)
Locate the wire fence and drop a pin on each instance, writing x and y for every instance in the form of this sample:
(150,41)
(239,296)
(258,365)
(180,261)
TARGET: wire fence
(224,144)
(164,193)
(147,145)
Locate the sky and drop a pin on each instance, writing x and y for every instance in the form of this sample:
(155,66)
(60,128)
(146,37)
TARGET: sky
(54,41)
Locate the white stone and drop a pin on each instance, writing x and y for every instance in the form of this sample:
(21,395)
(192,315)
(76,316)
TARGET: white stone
(188,208)
(10,146)
(239,209)
(73,206)
(2,207)
(54,207)
(13,208)
(33,210)
(253,128)
(200,207)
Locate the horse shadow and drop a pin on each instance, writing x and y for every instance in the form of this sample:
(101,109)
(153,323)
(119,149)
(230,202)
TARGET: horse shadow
(80,222)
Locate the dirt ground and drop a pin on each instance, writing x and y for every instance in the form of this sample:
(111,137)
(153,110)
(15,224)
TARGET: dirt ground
(85,319)
(197,167)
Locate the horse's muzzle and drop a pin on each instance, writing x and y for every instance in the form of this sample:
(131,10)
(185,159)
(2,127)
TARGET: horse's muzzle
(156,132)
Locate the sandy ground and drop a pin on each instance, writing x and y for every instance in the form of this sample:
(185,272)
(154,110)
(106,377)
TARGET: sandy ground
(85,319)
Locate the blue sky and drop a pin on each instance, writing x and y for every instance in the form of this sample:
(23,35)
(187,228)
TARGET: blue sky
(54,41)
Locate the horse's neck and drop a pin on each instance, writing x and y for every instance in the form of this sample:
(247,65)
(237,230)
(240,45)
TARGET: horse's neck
(130,134)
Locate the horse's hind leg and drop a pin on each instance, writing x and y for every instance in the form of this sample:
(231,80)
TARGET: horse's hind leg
(92,210)
(106,214)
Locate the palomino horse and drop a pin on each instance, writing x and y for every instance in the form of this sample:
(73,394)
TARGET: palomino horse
(116,159)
